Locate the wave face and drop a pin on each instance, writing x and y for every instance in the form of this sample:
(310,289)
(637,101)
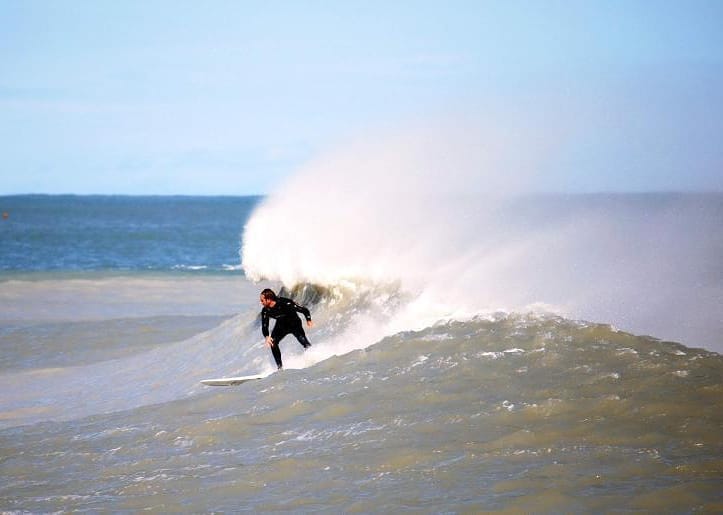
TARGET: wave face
(460,241)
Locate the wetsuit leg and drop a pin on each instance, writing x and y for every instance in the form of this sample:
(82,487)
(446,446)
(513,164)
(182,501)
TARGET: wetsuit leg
(277,335)
(280,331)
(301,336)
(277,355)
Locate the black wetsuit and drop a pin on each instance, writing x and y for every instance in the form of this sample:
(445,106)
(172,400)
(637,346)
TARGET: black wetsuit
(287,322)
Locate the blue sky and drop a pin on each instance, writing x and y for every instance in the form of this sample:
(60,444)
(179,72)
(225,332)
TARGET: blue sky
(171,97)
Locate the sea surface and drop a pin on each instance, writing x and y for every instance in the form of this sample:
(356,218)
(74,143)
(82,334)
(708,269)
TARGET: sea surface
(548,354)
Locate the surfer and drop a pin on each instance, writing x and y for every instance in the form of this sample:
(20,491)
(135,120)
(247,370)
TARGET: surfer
(284,311)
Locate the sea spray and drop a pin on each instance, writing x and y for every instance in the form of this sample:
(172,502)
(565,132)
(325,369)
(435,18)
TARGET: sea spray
(418,214)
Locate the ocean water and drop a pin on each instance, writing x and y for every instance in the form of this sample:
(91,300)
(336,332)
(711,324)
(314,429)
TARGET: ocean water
(112,233)
(543,354)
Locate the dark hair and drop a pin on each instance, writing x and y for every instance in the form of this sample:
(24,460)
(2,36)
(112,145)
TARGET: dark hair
(268,294)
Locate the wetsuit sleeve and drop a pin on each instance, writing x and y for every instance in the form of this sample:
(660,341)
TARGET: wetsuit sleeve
(264,322)
(302,309)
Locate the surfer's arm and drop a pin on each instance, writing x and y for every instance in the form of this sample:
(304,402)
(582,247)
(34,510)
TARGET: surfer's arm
(303,310)
(265,323)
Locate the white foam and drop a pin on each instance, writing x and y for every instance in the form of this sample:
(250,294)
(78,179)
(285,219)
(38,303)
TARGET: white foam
(438,213)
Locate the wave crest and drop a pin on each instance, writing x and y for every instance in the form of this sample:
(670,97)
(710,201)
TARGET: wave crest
(451,236)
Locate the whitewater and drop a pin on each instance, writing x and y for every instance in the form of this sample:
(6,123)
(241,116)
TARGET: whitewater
(429,215)
(478,346)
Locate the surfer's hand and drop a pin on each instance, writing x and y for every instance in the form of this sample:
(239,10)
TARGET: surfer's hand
(269,341)
(310,323)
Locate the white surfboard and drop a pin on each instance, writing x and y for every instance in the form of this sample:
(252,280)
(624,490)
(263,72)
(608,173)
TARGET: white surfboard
(231,381)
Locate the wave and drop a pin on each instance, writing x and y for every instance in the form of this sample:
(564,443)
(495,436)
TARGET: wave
(349,317)
(384,242)
(97,376)
(459,241)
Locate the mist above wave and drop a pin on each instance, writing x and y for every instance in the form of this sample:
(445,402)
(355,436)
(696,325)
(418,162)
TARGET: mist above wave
(454,217)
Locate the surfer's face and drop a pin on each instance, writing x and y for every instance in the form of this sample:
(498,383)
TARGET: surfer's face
(267,303)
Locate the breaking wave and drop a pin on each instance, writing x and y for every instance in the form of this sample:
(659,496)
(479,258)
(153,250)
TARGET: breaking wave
(453,229)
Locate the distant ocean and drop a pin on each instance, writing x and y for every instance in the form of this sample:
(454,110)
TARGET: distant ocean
(117,233)
(548,354)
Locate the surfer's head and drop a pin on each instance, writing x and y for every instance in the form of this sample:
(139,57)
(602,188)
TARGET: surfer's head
(268,298)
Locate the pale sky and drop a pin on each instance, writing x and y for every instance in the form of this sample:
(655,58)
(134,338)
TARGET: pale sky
(171,97)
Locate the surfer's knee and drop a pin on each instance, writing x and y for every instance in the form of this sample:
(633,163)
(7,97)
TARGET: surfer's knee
(303,340)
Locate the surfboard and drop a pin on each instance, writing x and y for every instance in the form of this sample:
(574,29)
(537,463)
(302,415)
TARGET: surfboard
(230,381)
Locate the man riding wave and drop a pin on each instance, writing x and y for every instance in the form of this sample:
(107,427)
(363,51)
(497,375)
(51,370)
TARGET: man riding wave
(284,311)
